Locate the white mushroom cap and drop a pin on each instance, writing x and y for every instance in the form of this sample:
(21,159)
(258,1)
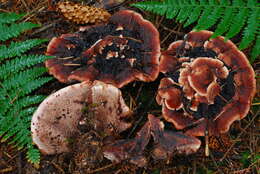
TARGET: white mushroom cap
(56,119)
(112,110)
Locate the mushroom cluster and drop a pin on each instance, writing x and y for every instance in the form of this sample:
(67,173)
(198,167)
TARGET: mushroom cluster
(208,84)
(125,49)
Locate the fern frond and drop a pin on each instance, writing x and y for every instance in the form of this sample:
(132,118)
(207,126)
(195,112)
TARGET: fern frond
(17,80)
(21,138)
(26,113)
(22,103)
(18,64)
(229,15)
(224,25)
(18,48)
(204,18)
(251,29)
(33,155)
(10,125)
(184,13)
(237,23)
(194,17)
(14,30)
(9,17)
(29,87)
(209,19)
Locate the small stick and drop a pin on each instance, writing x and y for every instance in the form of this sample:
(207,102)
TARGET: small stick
(222,98)
(9,169)
(65,58)
(102,168)
(26,6)
(57,167)
(71,64)
(172,30)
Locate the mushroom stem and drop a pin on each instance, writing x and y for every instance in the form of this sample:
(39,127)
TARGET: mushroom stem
(206,143)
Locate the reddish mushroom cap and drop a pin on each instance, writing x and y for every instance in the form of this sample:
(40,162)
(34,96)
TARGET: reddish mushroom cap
(131,149)
(168,142)
(124,50)
(57,118)
(214,80)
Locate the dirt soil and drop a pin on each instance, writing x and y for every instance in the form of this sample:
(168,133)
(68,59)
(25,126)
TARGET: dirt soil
(236,152)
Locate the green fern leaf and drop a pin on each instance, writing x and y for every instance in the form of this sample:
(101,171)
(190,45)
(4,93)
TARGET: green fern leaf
(33,155)
(224,24)
(18,48)
(10,127)
(9,17)
(229,15)
(184,13)
(6,122)
(28,100)
(29,87)
(17,80)
(251,29)
(194,17)
(18,64)
(21,138)
(252,3)
(22,78)
(26,113)
(21,103)
(237,23)
(209,18)
(7,32)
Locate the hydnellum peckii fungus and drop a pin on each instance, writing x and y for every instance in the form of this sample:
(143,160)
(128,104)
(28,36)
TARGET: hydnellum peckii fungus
(59,116)
(125,49)
(209,84)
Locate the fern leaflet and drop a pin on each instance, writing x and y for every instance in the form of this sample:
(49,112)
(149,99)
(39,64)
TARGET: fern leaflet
(14,30)
(251,29)
(22,78)
(18,64)
(231,16)
(9,17)
(17,80)
(18,48)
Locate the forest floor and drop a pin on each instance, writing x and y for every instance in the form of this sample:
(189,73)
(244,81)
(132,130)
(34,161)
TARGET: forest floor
(237,152)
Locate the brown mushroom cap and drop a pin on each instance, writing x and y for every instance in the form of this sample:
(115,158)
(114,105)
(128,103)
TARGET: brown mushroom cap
(124,50)
(130,149)
(58,116)
(168,142)
(214,80)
